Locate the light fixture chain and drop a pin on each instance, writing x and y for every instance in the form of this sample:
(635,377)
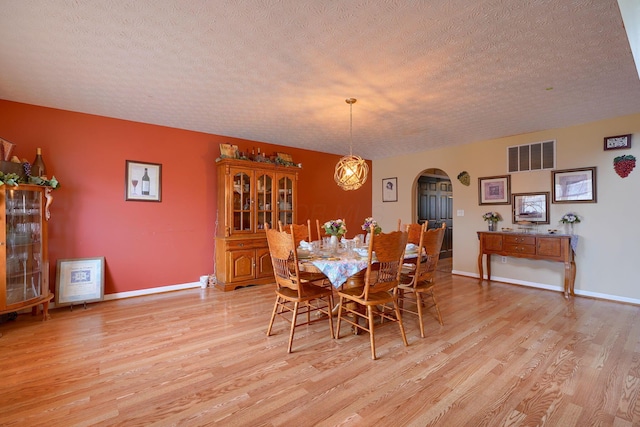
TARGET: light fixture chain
(350,101)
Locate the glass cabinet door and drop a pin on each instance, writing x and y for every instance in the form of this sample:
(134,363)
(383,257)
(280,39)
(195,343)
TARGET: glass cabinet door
(285,200)
(242,202)
(24,276)
(264,189)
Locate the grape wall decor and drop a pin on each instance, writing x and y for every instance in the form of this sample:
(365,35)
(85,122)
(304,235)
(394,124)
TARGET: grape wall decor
(464,178)
(623,165)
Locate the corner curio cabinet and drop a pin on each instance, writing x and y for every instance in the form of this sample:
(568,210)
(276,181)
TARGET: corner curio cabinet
(250,195)
(24,273)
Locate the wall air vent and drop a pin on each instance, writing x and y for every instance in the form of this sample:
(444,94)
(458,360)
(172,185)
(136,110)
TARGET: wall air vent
(532,157)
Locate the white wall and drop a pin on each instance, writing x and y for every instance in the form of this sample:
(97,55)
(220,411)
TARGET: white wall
(607,257)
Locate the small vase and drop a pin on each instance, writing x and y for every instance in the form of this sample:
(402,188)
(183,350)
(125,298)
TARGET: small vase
(492,225)
(334,241)
(570,228)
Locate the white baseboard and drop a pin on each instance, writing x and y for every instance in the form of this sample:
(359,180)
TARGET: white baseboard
(121,295)
(192,285)
(150,291)
(551,287)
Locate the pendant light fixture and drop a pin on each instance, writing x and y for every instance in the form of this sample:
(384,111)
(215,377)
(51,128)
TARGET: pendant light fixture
(351,171)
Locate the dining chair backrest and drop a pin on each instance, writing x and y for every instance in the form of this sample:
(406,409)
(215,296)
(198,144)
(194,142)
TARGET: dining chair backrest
(284,259)
(389,254)
(414,231)
(300,231)
(429,254)
(318,229)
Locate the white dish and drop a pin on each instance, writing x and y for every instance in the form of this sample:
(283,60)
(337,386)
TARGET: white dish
(362,251)
(303,253)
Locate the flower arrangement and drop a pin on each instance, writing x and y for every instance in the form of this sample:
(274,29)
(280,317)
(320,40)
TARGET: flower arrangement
(570,218)
(335,227)
(492,216)
(368,222)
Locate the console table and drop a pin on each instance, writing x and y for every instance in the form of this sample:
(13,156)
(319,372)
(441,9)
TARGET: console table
(550,247)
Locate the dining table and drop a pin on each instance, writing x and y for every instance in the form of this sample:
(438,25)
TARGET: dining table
(342,267)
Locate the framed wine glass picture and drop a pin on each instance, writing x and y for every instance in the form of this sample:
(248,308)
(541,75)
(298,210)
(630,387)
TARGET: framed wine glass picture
(143,181)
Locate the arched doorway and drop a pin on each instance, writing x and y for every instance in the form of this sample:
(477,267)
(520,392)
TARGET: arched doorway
(434,203)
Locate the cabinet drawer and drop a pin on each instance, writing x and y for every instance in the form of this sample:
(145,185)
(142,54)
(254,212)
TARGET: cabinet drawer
(520,249)
(520,240)
(234,245)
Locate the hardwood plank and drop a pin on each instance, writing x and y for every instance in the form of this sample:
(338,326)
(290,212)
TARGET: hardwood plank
(506,355)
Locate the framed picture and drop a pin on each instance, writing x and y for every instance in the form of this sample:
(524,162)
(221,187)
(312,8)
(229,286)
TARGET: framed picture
(494,190)
(531,207)
(229,151)
(574,185)
(79,281)
(617,142)
(7,149)
(390,190)
(143,181)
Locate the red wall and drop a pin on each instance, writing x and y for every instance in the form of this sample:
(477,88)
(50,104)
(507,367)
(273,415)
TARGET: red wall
(148,244)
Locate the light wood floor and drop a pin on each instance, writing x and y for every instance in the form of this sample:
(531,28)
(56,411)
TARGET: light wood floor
(506,356)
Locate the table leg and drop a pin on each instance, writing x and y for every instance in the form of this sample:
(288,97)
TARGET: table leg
(569,278)
(481,270)
(355,281)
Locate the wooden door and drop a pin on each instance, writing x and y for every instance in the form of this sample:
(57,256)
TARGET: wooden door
(549,247)
(435,204)
(264,200)
(241,200)
(492,242)
(286,203)
(264,267)
(241,264)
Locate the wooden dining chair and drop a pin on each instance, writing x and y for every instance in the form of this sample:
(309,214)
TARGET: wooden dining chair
(380,287)
(300,231)
(414,230)
(296,293)
(418,282)
(318,229)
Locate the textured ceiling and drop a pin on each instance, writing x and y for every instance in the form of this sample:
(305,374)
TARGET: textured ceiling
(426,73)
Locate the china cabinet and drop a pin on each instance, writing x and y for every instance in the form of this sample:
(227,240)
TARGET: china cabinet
(24,274)
(250,195)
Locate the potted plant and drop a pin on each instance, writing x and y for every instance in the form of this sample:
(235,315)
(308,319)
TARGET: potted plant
(368,222)
(492,219)
(336,228)
(570,218)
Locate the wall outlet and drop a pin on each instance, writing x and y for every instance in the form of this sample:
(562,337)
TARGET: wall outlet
(504,259)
